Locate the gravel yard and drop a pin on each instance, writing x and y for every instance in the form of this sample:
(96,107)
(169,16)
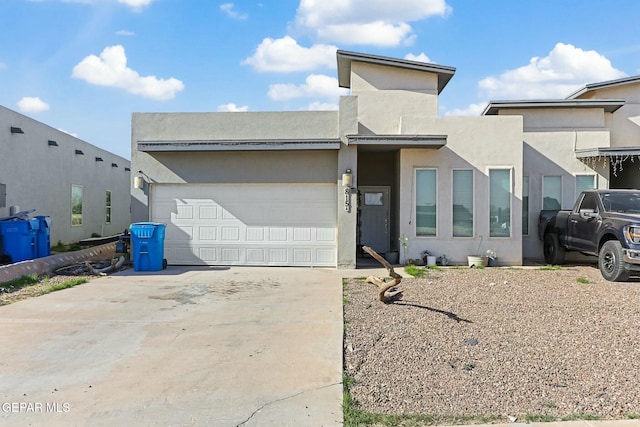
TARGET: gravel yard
(497,342)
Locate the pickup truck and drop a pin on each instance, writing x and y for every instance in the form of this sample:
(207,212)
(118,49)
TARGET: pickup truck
(603,223)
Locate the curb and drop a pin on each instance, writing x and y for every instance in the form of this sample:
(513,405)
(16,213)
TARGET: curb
(50,263)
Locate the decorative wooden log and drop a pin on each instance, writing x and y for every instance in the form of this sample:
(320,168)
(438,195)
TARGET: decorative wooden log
(383,287)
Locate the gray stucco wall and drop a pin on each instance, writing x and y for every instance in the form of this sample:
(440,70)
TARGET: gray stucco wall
(39,176)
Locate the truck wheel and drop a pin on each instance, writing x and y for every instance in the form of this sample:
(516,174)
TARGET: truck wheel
(611,263)
(553,252)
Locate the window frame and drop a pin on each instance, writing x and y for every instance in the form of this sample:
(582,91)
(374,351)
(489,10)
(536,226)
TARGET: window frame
(107,206)
(473,203)
(595,182)
(76,216)
(415,202)
(542,188)
(510,170)
(525,208)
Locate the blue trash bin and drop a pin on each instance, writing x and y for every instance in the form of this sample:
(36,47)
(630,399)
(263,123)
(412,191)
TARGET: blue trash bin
(147,246)
(19,238)
(43,238)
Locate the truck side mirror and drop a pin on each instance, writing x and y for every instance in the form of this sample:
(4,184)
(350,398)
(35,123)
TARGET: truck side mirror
(588,213)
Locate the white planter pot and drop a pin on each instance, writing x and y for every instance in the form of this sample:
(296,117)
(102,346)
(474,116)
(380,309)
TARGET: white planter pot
(475,261)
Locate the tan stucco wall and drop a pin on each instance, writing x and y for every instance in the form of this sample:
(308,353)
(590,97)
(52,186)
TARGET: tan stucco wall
(556,118)
(477,143)
(385,94)
(625,122)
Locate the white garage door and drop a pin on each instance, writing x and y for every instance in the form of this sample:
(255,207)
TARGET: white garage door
(247,224)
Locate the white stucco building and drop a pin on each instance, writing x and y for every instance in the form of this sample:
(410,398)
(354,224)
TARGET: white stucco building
(85,190)
(310,188)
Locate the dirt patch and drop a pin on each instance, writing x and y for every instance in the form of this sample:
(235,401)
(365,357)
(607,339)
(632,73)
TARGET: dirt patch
(497,342)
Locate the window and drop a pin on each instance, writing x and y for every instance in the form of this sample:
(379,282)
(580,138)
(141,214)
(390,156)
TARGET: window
(588,202)
(552,192)
(500,203)
(525,205)
(462,188)
(107,209)
(585,182)
(426,185)
(76,205)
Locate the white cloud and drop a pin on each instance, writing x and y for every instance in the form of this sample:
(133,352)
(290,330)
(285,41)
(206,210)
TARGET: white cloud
(136,5)
(125,33)
(32,105)
(471,110)
(230,107)
(228,8)
(370,22)
(378,33)
(286,55)
(420,58)
(322,106)
(315,85)
(557,75)
(110,69)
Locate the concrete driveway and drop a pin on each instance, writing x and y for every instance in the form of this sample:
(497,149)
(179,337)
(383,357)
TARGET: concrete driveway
(185,346)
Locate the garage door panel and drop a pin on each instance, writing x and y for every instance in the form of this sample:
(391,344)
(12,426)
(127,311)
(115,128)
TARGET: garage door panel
(241,224)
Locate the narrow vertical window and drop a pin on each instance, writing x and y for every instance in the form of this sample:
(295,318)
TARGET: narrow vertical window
(584,182)
(426,193)
(76,205)
(500,203)
(552,192)
(462,188)
(525,205)
(107,208)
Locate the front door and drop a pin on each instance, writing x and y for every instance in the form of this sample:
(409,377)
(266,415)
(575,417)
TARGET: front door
(374,218)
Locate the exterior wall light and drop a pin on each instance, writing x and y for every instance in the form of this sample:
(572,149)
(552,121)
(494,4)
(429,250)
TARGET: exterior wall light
(346,183)
(140,179)
(99,159)
(346,178)
(15,129)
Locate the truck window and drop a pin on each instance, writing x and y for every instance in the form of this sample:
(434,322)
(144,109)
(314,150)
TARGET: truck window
(588,202)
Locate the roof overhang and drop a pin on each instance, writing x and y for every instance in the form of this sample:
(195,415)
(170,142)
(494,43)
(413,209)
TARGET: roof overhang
(584,153)
(394,142)
(346,58)
(603,85)
(608,105)
(239,145)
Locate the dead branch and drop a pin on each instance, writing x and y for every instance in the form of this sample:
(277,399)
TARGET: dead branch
(383,286)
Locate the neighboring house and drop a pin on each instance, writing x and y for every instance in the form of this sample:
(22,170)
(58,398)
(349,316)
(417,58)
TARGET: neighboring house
(83,189)
(310,188)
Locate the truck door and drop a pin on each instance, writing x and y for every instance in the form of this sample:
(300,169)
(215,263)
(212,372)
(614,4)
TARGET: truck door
(583,223)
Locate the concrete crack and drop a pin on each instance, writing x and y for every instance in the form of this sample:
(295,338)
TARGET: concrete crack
(283,399)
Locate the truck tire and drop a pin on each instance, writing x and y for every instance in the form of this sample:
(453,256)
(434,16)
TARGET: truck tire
(553,252)
(611,263)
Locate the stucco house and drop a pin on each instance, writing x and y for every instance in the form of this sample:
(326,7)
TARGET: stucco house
(84,190)
(310,188)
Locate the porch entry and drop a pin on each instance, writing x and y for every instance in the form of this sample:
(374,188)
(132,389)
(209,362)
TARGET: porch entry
(374,217)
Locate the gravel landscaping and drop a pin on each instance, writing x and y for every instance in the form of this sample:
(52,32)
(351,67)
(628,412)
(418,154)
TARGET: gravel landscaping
(502,343)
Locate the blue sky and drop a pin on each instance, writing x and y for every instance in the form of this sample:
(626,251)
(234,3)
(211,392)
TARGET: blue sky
(83,66)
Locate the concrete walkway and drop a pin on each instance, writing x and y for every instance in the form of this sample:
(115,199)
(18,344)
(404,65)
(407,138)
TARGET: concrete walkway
(181,347)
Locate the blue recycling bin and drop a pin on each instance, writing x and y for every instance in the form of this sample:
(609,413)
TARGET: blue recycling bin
(147,246)
(43,236)
(19,238)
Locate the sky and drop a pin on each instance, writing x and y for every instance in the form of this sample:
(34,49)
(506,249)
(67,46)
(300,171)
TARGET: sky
(84,66)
